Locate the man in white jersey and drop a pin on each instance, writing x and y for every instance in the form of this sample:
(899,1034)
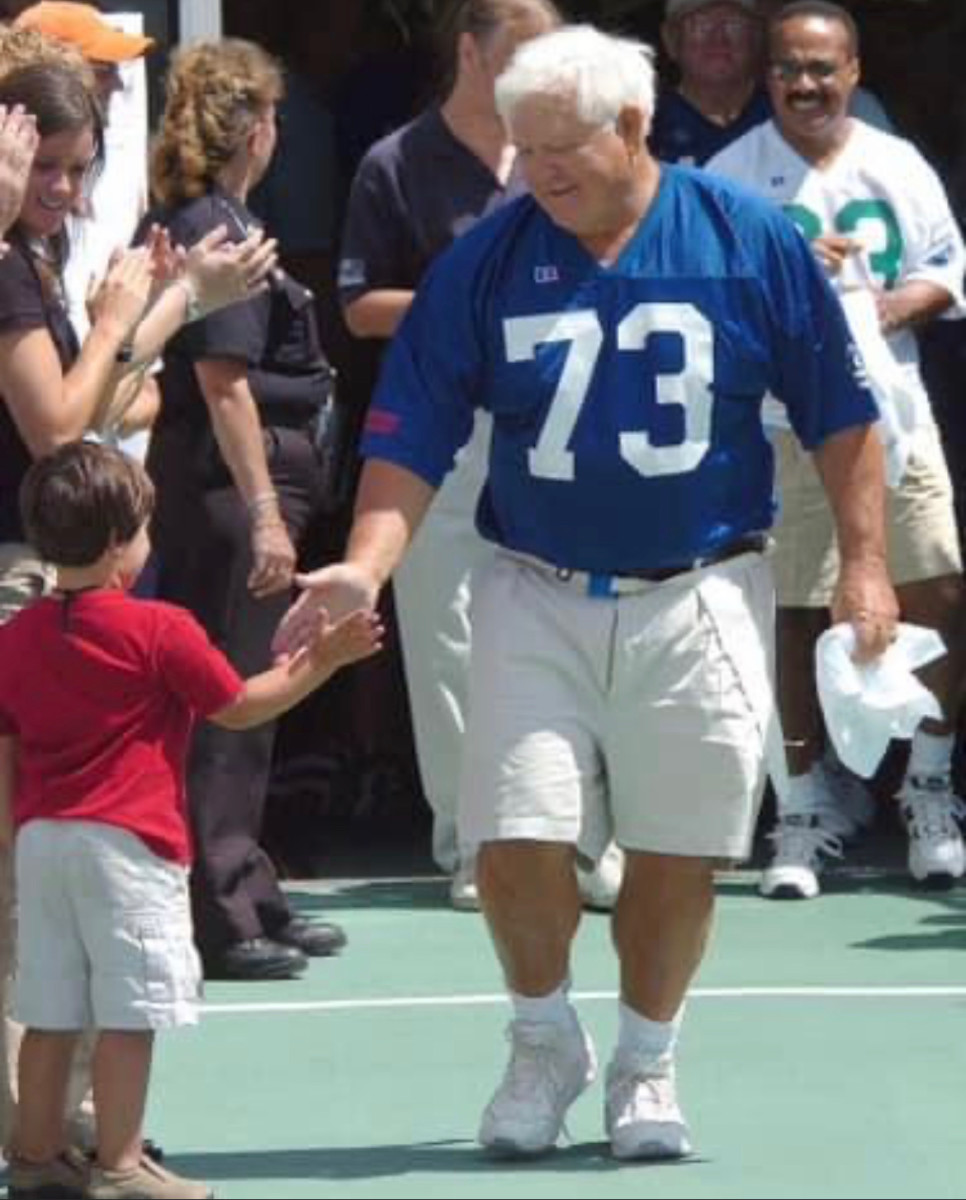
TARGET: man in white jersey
(879,221)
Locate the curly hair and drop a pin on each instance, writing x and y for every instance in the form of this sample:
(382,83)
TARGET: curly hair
(27,48)
(216,93)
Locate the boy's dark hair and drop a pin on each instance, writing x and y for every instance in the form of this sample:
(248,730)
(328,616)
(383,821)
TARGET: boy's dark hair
(81,500)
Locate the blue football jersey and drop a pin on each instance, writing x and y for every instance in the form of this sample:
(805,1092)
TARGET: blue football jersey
(626,399)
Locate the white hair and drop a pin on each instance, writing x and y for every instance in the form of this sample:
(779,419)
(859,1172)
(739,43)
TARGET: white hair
(601,73)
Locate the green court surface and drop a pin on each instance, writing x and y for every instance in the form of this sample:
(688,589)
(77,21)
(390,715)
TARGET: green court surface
(824,1055)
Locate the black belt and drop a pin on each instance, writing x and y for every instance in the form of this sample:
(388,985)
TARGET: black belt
(752,543)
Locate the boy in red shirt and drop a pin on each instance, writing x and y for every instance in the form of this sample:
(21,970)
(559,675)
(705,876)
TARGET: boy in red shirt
(98,695)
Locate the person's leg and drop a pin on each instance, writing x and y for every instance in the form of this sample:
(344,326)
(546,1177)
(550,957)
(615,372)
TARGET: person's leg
(661,927)
(43,1071)
(691,732)
(811,822)
(204,545)
(926,564)
(23,579)
(432,590)
(532,791)
(133,915)
(529,896)
(809,826)
(121,1070)
(930,809)
(530,899)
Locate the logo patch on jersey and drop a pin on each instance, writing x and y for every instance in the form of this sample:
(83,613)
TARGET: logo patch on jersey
(857,366)
(352,272)
(940,257)
(776,181)
(380,420)
(546,275)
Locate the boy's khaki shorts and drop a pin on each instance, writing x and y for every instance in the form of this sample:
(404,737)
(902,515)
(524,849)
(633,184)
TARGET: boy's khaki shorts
(104,931)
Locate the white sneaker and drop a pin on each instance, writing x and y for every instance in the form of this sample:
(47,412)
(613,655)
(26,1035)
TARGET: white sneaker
(847,795)
(931,813)
(550,1065)
(801,841)
(463,894)
(641,1113)
(600,885)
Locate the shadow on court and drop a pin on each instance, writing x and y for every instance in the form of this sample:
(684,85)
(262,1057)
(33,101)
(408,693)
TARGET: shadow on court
(367,1162)
(429,893)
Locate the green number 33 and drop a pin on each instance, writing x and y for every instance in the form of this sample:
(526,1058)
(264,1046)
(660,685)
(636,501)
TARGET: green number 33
(885,260)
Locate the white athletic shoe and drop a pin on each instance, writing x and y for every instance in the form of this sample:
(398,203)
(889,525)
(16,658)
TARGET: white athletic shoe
(801,844)
(931,813)
(463,894)
(550,1065)
(601,885)
(641,1113)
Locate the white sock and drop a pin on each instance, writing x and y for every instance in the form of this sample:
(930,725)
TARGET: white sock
(553,1009)
(931,754)
(641,1036)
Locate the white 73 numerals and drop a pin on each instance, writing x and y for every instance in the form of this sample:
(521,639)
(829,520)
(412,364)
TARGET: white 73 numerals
(689,389)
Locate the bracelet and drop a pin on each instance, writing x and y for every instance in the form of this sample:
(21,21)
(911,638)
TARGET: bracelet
(192,307)
(262,501)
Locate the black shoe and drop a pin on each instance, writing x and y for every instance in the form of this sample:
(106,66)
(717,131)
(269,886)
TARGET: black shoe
(314,938)
(257,958)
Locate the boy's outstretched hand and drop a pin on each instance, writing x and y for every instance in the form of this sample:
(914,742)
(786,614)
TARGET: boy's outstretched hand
(355,636)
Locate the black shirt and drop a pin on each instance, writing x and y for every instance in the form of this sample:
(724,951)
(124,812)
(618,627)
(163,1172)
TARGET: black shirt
(274,334)
(25,303)
(414,194)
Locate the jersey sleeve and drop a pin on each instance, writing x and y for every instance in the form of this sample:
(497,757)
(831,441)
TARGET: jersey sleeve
(818,372)
(423,407)
(193,668)
(934,244)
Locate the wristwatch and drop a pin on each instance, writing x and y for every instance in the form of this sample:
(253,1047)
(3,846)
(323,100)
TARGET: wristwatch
(125,352)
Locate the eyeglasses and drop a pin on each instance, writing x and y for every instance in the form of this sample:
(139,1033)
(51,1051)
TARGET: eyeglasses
(702,27)
(788,70)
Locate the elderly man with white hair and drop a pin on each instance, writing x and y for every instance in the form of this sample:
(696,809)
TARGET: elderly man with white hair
(622,324)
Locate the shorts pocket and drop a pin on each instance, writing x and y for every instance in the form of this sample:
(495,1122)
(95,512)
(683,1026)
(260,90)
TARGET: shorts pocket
(170,967)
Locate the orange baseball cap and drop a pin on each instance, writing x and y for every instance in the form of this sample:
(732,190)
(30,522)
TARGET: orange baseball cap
(82,26)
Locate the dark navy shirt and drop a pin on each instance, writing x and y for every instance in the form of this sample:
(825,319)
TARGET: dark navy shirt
(415,192)
(682,134)
(25,303)
(274,334)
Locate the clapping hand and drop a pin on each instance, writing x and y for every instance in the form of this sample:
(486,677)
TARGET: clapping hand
(18,144)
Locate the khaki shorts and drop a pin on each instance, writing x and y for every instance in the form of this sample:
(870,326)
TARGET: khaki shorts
(104,933)
(641,717)
(921,525)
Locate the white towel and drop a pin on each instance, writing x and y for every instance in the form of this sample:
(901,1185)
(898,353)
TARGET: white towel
(865,705)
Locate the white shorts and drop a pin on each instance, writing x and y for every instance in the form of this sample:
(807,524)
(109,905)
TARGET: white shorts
(643,717)
(104,931)
(920,523)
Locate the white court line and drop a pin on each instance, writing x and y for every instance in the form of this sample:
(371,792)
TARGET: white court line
(363,1004)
